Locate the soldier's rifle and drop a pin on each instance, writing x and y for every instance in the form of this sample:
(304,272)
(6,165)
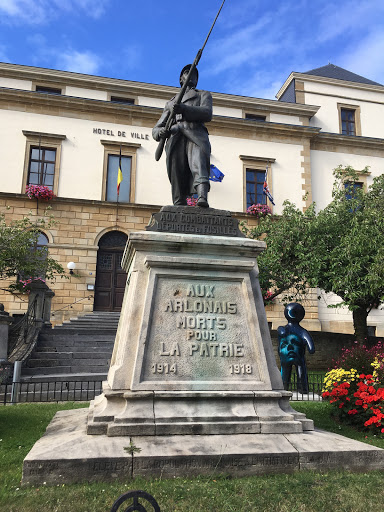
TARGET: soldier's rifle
(179,97)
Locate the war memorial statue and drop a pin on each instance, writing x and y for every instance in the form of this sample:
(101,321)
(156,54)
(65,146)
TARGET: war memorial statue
(188,149)
(193,386)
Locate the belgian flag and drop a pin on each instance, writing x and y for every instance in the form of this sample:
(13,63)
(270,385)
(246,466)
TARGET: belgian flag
(119,174)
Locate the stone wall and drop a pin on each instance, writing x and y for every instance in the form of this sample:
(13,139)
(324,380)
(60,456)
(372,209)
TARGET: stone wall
(75,236)
(80,225)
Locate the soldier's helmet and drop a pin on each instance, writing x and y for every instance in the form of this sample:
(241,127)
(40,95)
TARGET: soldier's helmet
(187,68)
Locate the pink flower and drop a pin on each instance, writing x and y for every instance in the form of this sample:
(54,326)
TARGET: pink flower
(259,210)
(39,192)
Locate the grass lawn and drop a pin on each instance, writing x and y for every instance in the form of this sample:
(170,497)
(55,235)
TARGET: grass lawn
(22,425)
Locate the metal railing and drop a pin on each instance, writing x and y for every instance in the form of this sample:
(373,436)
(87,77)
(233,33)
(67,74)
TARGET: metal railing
(315,386)
(23,334)
(50,391)
(83,391)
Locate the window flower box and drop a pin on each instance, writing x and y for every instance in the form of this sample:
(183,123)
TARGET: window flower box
(39,192)
(259,210)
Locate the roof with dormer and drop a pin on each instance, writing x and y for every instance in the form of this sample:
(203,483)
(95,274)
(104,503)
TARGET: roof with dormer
(338,73)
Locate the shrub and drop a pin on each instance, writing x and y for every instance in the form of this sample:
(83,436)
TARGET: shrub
(359,402)
(359,357)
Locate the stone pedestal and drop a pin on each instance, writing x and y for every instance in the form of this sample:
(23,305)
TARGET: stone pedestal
(192,353)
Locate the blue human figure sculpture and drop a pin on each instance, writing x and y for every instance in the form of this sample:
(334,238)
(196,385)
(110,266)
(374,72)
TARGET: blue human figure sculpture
(292,340)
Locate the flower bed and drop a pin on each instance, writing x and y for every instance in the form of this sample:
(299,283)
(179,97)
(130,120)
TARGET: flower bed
(259,210)
(358,396)
(39,192)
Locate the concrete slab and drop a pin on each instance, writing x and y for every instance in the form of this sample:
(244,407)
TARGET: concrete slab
(66,454)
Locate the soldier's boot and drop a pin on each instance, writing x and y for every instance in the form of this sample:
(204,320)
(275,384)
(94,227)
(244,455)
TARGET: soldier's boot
(181,201)
(202,193)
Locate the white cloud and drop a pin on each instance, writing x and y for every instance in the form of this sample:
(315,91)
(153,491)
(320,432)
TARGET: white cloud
(41,11)
(366,58)
(348,19)
(258,52)
(79,62)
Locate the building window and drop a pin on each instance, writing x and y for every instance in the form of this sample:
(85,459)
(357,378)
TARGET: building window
(119,99)
(42,166)
(351,187)
(42,160)
(254,168)
(255,117)
(111,166)
(349,119)
(254,187)
(47,90)
(348,122)
(112,172)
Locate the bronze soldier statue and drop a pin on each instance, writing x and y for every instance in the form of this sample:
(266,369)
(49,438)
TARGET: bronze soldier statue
(188,149)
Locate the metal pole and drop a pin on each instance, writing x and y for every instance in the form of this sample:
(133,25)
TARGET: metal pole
(16,382)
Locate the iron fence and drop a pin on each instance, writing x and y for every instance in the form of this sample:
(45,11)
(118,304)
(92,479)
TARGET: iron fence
(83,391)
(315,386)
(52,391)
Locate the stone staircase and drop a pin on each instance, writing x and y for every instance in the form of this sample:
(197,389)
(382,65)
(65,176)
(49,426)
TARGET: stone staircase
(79,350)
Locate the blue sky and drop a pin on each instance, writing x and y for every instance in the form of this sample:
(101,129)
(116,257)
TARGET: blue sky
(253,47)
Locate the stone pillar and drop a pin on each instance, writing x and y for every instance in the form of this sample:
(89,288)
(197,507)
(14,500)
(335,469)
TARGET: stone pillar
(49,294)
(43,294)
(5,321)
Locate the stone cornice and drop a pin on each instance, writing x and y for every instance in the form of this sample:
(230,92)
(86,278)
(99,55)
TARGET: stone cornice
(119,143)
(347,141)
(88,202)
(259,104)
(138,115)
(57,136)
(239,126)
(126,87)
(93,202)
(69,103)
(326,80)
(257,159)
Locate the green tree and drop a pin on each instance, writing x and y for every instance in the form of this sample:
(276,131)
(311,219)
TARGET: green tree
(19,253)
(339,249)
(347,246)
(283,264)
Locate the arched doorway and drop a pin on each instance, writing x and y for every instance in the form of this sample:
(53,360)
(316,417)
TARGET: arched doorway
(110,277)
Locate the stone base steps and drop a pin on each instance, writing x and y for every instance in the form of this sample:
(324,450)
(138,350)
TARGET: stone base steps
(81,347)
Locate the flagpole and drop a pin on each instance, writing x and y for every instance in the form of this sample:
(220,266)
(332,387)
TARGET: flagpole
(39,173)
(119,180)
(266,190)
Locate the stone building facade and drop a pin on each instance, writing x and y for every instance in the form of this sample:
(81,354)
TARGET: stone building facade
(74,126)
